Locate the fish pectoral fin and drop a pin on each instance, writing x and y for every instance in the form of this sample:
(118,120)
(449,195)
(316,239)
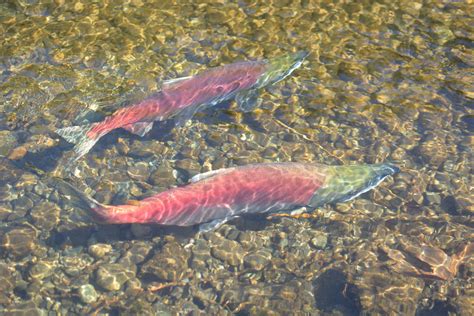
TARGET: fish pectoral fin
(248,100)
(213,224)
(170,82)
(140,128)
(209,174)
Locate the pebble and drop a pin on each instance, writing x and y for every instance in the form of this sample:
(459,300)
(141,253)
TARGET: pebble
(41,270)
(229,251)
(5,212)
(257,260)
(320,241)
(88,294)
(7,143)
(139,171)
(99,250)
(397,89)
(112,276)
(45,215)
(19,242)
(7,281)
(170,264)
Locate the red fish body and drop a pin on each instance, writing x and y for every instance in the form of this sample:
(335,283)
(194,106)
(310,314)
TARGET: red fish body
(181,98)
(207,88)
(220,195)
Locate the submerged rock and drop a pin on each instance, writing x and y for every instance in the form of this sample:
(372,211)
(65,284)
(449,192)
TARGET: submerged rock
(99,250)
(433,151)
(8,142)
(87,294)
(45,215)
(41,270)
(169,264)
(19,242)
(112,276)
(7,282)
(319,241)
(229,251)
(257,260)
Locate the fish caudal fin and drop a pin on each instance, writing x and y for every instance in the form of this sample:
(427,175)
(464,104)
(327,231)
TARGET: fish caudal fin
(79,135)
(81,200)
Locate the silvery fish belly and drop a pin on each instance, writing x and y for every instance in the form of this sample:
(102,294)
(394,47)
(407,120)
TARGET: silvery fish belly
(181,98)
(214,197)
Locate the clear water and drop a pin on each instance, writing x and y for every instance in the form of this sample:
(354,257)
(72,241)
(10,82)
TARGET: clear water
(385,81)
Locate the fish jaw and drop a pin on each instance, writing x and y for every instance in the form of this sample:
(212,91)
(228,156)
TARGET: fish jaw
(279,68)
(345,183)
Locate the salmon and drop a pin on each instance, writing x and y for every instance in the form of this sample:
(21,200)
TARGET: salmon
(214,197)
(181,98)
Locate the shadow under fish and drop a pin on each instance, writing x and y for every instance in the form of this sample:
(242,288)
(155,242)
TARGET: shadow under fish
(181,98)
(213,198)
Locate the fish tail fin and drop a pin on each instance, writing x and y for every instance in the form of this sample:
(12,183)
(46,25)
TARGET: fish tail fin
(79,135)
(81,200)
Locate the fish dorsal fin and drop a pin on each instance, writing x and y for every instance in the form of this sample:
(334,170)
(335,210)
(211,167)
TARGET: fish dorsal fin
(248,100)
(140,128)
(209,174)
(171,82)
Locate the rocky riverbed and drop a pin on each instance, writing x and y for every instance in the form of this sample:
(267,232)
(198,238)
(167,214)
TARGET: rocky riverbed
(385,81)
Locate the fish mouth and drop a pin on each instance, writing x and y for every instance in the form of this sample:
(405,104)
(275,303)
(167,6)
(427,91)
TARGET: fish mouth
(388,169)
(382,172)
(279,68)
(301,54)
(295,61)
(298,58)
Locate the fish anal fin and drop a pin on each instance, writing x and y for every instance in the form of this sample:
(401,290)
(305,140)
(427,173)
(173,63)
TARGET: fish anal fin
(209,174)
(171,82)
(140,128)
(248,100)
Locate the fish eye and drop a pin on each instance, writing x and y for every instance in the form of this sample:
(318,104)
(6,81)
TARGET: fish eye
(219,89)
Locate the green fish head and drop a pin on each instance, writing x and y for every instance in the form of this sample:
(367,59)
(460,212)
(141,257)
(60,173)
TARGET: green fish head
(345,183)
(279,68)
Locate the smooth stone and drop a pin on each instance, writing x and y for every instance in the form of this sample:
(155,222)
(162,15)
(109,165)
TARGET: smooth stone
(8,141)
(229,251)
(41,270)
(258,260)
(139,171)
(112,276)
(45,215)
(99,250)
(7,282)
(5,212)
(87,294)
(170,264)
(320,241)
(433,198)
(28,308)
(164,175)
(19,242)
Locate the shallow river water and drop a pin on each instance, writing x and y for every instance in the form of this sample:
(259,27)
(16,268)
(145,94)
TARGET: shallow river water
(384,81)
